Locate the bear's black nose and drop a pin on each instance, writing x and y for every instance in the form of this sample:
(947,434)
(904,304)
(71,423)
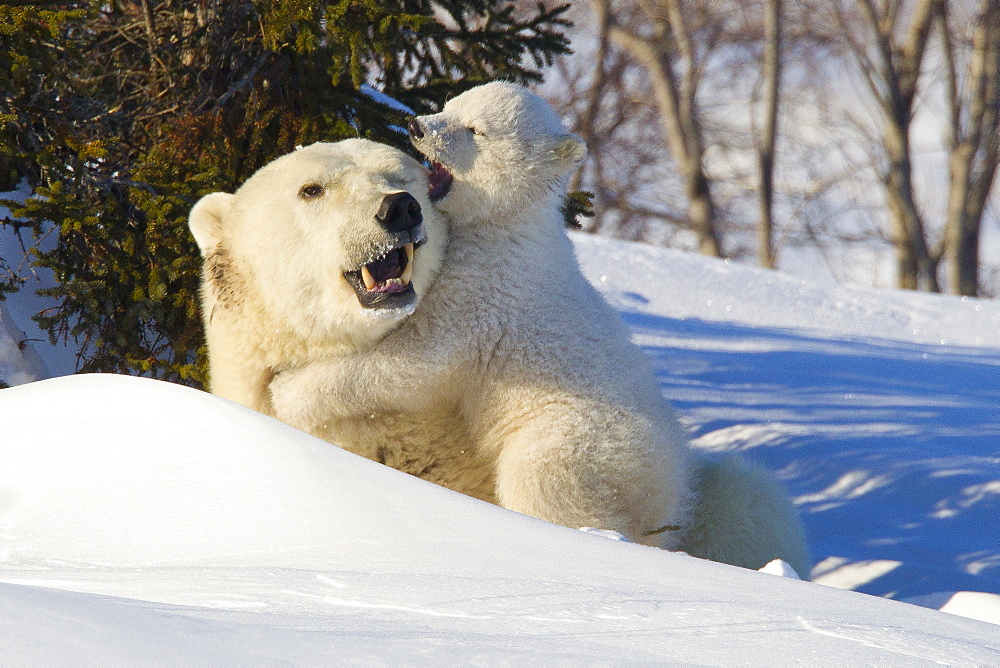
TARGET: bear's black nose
(415,130)
(399,211)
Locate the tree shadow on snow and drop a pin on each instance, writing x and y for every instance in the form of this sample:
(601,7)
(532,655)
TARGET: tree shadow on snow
(891,450)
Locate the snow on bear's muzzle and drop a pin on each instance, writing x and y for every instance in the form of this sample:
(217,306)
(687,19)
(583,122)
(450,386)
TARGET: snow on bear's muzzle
(384,282)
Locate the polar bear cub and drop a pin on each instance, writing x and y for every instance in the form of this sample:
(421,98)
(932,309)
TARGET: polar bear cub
(323,250)
(488,150)
(513,343)
(491,150)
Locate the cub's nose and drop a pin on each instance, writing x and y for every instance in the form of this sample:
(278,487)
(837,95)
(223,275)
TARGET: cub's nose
(399,211)
(415,131)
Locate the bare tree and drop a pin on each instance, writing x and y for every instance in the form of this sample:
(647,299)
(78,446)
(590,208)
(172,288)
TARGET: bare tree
(973,142)
(685,103)
(685,77)
(769,134)
(890,57)
(667,54)
(604,96)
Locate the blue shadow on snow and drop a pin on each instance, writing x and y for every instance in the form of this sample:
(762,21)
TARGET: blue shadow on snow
(891,450)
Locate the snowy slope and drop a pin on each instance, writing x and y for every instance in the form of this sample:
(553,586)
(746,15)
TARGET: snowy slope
(245,540)
(880,410)
(145,522)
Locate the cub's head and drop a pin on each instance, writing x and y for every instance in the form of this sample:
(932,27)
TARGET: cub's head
(496,149)
(334,241)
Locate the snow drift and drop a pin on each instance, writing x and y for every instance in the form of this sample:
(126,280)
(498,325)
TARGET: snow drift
(269,544)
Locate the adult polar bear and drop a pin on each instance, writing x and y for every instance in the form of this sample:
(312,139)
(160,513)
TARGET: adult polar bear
(284,258)
(540,371)
(319,254)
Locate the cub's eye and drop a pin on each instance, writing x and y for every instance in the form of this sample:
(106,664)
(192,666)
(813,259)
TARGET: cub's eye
(475,131)
(311,191)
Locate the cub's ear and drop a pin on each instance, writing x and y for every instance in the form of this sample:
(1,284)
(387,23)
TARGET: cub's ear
(205,221)
(569,150)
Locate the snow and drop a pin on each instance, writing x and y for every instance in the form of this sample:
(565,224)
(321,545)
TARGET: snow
(143,522)
(19,363)
(386,100)
(780,568)
(878,409)
(22,344)
(390,102)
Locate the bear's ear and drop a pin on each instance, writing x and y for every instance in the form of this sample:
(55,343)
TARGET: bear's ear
(205,221)
(569,150)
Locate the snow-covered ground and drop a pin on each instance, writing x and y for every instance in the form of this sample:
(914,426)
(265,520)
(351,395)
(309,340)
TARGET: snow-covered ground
(146,522)
(879,409)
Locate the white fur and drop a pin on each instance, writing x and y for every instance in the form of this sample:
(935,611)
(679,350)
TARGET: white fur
(743,517)
(562,416)
(273,291)
(514,382)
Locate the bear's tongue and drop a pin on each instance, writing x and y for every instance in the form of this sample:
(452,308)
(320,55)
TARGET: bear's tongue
(390,273)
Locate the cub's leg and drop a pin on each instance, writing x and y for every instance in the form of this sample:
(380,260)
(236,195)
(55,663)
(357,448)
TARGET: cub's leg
(585,464)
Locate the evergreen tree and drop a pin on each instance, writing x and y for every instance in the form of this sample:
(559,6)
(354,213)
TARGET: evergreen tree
(122,113)
(32,57)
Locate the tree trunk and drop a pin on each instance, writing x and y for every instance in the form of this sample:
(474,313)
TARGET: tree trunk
(701,209)
(892,74)
(966,204)
(915,269)
(974,146)
(765,156)
(678,115)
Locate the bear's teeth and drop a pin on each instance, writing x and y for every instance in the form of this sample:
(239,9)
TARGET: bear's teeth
(408,271)
(367,277)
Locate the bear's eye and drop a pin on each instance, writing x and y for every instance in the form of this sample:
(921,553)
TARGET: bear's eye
(311,191)
(475,131)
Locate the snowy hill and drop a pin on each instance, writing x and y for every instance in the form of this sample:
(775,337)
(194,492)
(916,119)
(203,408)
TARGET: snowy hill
(146,522)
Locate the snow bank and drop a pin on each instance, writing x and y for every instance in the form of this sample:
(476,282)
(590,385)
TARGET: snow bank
(878,409)
(229,537)
(645,279)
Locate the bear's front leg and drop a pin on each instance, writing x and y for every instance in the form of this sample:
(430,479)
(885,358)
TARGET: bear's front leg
(305,396)
(389,378)
(236,377)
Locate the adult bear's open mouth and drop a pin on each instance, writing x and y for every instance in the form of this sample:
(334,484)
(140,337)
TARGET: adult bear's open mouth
(385,283)
(440,181)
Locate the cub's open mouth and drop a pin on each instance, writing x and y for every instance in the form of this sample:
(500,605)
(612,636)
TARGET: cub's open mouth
(440,181)
(386,281)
